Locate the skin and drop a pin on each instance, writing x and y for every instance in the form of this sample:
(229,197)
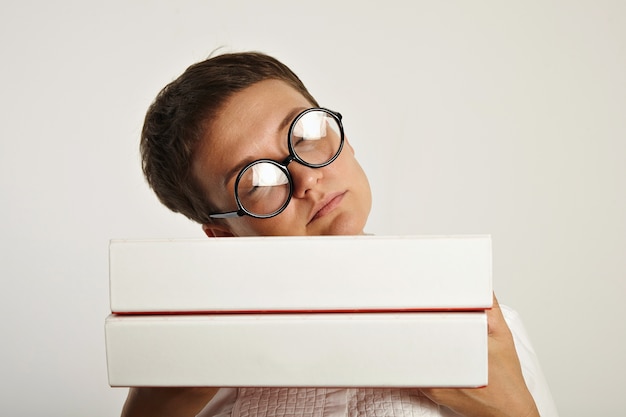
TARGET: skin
(253,124)
(334,200)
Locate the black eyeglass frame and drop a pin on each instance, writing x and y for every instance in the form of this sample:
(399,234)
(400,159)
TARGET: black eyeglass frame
(293,156)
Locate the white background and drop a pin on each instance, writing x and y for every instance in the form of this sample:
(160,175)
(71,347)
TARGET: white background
(497,117)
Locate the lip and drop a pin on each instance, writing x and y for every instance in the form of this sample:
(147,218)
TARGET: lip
(326,205)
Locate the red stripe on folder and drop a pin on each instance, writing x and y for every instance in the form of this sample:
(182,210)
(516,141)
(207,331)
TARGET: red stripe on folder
(301,311)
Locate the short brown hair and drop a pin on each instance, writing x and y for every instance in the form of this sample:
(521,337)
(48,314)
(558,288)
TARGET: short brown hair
(178,119)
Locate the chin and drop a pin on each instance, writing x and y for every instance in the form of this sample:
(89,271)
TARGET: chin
(344,225)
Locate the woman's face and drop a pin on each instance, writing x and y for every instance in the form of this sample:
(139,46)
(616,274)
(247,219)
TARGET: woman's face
(254,124)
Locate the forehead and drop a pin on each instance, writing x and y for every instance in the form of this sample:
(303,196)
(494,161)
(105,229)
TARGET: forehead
(249,124)
(258,103)
(252,114)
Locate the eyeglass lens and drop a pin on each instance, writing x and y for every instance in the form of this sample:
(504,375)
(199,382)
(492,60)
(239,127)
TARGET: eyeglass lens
(264,186)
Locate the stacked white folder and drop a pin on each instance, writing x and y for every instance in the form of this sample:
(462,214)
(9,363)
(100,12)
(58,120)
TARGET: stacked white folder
(382,311)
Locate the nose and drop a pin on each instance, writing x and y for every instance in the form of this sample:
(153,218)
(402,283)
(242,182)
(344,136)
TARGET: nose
(304,178)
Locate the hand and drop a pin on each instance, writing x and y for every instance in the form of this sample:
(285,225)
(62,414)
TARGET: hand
(171,402)
(506,394)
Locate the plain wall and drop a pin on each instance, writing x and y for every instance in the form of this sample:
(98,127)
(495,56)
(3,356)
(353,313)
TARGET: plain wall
(507,118)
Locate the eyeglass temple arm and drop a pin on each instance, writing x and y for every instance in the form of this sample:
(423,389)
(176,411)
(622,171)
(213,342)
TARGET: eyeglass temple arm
(226,215)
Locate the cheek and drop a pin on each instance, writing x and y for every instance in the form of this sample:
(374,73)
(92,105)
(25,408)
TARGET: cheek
(348,167)
(275,226)
(241,227)
(347,148)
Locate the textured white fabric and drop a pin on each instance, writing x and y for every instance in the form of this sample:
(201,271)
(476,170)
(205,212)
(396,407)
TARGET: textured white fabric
(369,402)
(289,402)
(328,402)
(390,402)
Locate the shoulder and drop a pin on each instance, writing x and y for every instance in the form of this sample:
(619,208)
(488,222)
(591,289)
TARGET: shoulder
(520,336)
(531,368)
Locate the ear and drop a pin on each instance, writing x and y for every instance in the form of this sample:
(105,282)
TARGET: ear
(216,230)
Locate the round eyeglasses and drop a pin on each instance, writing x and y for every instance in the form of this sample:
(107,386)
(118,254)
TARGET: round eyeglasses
(264,187)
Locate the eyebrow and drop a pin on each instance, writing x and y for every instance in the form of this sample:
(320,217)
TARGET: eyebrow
(236,169)
(282,126)
(289,118)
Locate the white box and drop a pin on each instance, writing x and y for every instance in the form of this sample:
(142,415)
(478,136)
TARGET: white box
(306,350)
(322,273)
